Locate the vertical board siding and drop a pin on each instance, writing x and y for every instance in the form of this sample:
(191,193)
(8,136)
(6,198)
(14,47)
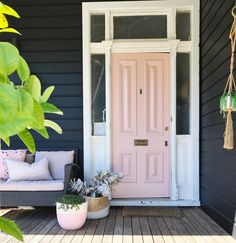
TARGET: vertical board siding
(218,167)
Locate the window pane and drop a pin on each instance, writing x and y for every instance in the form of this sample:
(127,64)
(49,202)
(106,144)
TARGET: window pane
(140,27)
(183,29)
(183,93)
(98,95)
(97,28)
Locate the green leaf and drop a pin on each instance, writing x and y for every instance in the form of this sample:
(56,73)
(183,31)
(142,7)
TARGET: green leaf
(50,108)
(23,70)
(10,30)
(38,117)
(9,227)
(3,21)
(33,86)
(9,58)
(8,10)
(43,132)
(47,93)
(53,125)
(27,139)
(6,141)
(16,110)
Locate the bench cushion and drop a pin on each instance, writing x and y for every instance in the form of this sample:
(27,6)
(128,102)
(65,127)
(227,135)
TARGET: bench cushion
(57,161)
(56,185)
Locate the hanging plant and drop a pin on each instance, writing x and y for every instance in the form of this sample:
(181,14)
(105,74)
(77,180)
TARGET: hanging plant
(228,99)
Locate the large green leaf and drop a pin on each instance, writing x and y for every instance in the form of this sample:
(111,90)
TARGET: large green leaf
(5,9)
(23,70)
(27,139)
(10,30)
(9,227)
(9,58)
(34,87)
(43,132)
(53,125)
(38,117)
(16,110)
(47,93)
(50,108)
(3,21)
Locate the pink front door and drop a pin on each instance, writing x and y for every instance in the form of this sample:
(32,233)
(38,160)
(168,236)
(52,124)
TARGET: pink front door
(140,124)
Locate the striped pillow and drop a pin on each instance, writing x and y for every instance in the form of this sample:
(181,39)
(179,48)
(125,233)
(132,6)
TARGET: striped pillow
(23,171)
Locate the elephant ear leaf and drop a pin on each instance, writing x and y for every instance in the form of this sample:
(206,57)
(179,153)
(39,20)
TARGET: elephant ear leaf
(47,93)
(53,125)
(33,86)
(43,132)
(3,21)
(23,70)
(5,9)
(50,108)
(9,227)
(9,58)
(28,140)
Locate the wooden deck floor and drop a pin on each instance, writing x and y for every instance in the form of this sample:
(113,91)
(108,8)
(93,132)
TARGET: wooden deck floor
(40,225)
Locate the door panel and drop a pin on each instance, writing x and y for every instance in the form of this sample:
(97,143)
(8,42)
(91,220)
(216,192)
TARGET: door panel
(140,112)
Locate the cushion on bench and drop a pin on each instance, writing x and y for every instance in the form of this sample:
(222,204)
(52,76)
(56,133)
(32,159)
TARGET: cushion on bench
(55,185)
(57,161)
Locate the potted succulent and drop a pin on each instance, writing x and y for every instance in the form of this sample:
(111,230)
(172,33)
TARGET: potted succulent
(71,211)
(97,193)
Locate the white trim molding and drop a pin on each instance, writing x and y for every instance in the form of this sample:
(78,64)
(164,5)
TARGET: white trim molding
(184,171)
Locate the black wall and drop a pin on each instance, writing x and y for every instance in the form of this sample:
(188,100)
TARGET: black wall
(218,167)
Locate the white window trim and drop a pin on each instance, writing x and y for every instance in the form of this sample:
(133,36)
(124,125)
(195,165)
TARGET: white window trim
(168,45)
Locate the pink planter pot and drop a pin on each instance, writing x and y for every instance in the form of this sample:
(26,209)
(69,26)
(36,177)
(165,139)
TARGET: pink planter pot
(72,219)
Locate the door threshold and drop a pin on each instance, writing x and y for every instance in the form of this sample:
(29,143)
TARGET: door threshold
(166,202)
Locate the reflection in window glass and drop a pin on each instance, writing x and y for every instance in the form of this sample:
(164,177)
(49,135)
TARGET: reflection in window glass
(98,95)
(97,28)
(183,29)
(183,93)
(140,27)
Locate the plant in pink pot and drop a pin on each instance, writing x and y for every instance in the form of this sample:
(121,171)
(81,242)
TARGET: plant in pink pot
(71,211)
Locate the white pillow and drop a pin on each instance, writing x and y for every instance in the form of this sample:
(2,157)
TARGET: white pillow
(57,161)
(37,171)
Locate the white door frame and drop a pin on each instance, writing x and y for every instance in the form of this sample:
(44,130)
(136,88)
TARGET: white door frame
(170,45)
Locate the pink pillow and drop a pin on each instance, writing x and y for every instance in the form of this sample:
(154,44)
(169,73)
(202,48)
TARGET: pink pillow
(18,154)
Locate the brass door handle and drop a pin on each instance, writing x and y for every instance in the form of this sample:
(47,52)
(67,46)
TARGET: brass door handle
(166,143)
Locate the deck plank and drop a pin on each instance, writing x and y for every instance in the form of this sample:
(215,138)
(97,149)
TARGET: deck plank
(164,230)
(127,236)
(209,229)
(173,230)
(146,232)
(202,231)
(98,236)
(137,235)
(109,230)
(78,237)
(88,236)
(155,231)
(214,225)
(118,229)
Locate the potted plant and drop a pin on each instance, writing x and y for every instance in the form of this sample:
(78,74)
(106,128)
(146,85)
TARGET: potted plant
(71,211)
(97,193)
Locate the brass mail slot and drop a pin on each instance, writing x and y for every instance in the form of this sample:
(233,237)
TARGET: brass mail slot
(140,142)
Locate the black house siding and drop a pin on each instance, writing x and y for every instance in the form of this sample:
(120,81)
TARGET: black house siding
(218,167)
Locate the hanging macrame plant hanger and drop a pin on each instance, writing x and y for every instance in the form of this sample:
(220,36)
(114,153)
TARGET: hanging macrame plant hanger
(228,99)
